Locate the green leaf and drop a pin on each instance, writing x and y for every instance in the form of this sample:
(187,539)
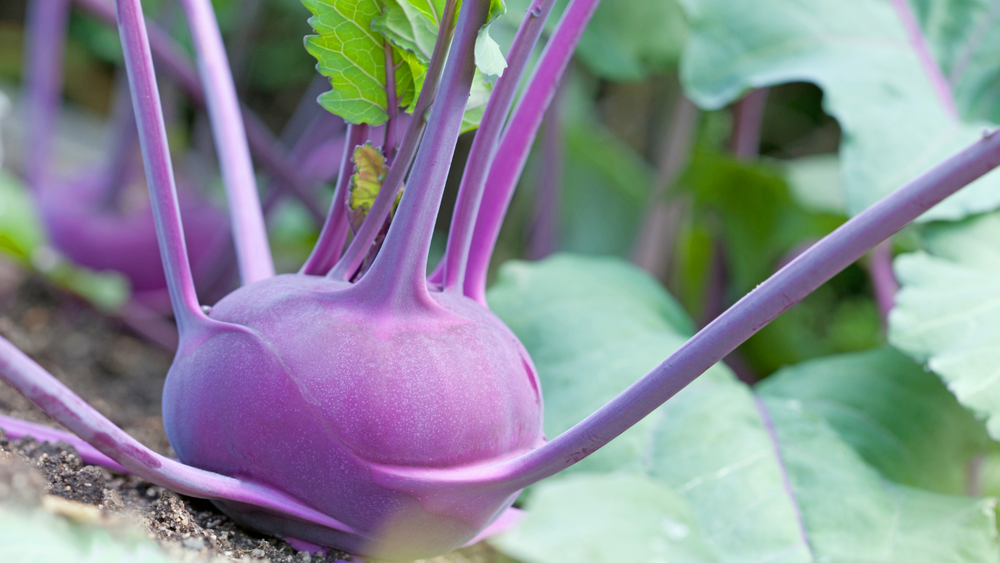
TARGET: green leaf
(764,479)
(815,183)
(897,416)
(366,182)
(352,55)
(606,518)
(965,36)
(894,124)
(946,313)
(21,230)
(38,537)
(627,39)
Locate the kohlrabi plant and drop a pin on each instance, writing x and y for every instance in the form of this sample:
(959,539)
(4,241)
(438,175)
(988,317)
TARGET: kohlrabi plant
(366,405)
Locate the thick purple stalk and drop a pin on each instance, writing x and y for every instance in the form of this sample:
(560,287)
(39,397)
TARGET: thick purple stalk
(59,402)
(365,237)
(253,252)
(159,170)
(517,139)
(47,20)
(883,279)
(397,278)
(799,278)
(331,239)
(919,42)
(484,145)
(748,116)
(173,60)
(544,232)
(16,429)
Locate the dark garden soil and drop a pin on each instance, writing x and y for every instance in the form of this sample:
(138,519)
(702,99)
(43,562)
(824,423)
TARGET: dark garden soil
(122,377)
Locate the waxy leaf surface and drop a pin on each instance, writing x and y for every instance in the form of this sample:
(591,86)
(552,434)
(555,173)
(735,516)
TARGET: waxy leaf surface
(895,125)
(947,313)
(765,478)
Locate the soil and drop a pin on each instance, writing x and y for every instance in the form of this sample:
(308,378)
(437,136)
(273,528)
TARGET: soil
(122,377)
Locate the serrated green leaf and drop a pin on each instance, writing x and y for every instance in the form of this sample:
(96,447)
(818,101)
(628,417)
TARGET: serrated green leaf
(352,55)
(946,313)
(895,125)
(765,479)
(606,518)
(897,416)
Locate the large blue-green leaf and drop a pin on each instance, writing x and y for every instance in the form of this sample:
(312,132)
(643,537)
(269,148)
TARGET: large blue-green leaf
(627,39)
(895,125)
(897,416)
(947,314)
(764,479)
(965,37)
(603,517)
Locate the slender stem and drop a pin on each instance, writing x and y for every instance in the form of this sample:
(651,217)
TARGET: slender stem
(365,237)
(392,105)
(544,232)
(883,279)
(484,145)
(748,116)
(397,277)
(46,23)
(973,43)
(331,239)
(124,137)
(253,252)
(173,60)
(59,402)
(787,287)
(159,170)
(278,162)
(517,139)
(16,429)
(306,113)
(919,42)
(654,241)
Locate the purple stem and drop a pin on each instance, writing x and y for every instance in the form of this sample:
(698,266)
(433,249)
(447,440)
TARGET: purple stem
(159,170)
(331,239)
(15,429)
(280,165)
(484,145)
(397,278)
(544,231)
(748,116)
(912,28)
(46,23)
(175,62)
(124,137)
(375,220)
(655,239)
(391,105)
(883,279)
(59,402)
(803,275)
(517,139)
(306,113)
(973,43)
(253,252)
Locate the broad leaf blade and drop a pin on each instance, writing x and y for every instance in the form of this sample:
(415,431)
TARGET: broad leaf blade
(607,518)
(947,314)
(765,480)
(858,52)
(897,416)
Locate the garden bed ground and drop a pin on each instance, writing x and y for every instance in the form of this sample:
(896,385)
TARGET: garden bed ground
(122,377)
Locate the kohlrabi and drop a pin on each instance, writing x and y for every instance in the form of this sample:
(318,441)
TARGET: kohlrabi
(373,410)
